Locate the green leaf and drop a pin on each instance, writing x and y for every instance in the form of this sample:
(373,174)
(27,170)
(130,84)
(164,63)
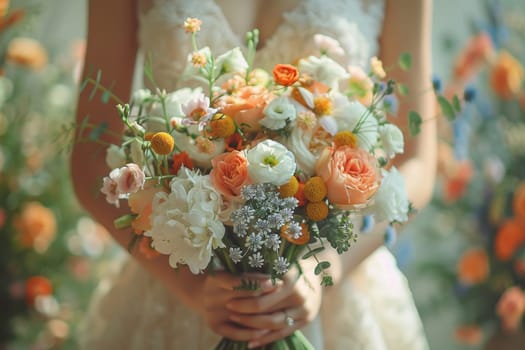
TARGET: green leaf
(323,265)
(313,252)
(405,61)
(446,108)
(98,131)
(456,103)
(402,89)
(414,123)
(97,84)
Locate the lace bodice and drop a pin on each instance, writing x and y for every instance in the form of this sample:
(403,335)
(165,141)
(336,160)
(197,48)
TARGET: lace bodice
(355,24)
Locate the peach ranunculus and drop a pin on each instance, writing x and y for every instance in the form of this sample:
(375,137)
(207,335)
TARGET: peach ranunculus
(229,173)
(285,74)
(511,307)
(518,203)
(27,52)
(509,238)
(477,51)
(351,175)
(506,75)
(246,106)
(468,335)
(473,266)
(36,225)
(140,203)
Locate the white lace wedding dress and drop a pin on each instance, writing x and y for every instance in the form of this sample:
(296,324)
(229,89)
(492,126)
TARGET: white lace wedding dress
(372,309)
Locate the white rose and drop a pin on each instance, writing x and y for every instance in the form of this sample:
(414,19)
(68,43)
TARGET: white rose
(391,139)
(277,113)
(232,61)
(115,157)
(391,200)
(324,70)
(270,162)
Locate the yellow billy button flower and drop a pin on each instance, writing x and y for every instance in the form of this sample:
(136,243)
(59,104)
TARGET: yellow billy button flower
(345,138)
(322,105)
(300,240)
(315,189)
(221,126)
(162,143)
(317,211)
(148,136)
(289,189)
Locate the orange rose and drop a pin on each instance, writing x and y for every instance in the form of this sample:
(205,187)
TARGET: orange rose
(477,51)
(27,52)
(246,106)
(506,75)
(36,286)
(468,335)
(229,173)
(510,308)
(510,237)
(285,74)
(351,175)
(37,226)
(518,204)
(473,267)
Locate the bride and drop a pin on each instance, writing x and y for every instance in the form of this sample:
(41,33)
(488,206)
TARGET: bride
(147,305)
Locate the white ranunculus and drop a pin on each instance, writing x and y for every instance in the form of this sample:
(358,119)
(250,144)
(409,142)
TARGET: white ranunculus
(324,70)
(298,143)
(270,162)
(355,117)
(391,201)
(115,157)
(391,139)
(185,222)
(277,113)
(232,61)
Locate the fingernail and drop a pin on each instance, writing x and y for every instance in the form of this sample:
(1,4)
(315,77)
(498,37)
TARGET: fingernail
(235,318)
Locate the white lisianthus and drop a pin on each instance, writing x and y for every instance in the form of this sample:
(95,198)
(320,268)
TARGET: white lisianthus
(355,117)
(391,201)
(185,223)
(270,162)
(115,157)
(391,139)
(232,61)
(324,70)
(278,113)
(141,95)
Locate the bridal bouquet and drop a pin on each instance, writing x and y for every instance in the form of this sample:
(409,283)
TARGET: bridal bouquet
(256,169)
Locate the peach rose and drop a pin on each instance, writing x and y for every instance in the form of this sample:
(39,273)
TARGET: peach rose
(506,75)
(351,175)
(509,238)
(246,106)
(473,267)
(476,52)
(285,74)
(518,204)
(37,226)
(229,173)
(468,335)
(510,308)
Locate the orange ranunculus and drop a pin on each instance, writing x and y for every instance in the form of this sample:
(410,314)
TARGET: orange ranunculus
(27,52)
(179,160)
(140,203)
(518,204)
(246,106)
(506,75)
(509,238)
(473,267)
(468,335)
(511,307)
(36,225)
(229,173)
(285,74)
(36,286)
(351,175)
(477,51)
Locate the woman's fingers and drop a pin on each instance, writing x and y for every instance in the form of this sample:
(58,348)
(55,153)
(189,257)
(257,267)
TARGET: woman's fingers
(233,331)
(271,321)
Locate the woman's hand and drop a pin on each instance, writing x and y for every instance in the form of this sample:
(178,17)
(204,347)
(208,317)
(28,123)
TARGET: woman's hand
(294,302)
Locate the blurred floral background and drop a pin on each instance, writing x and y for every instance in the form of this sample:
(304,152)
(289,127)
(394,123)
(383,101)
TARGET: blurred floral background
(464,255)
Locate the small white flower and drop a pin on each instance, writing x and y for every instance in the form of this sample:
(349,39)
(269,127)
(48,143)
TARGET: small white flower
(281,265)
(232,61)
(391,200)
(256,260)
(391,139)
(278,112)
(236,254)
(193,72)
(270,162)
(324,70)
(115,157)
(140,96)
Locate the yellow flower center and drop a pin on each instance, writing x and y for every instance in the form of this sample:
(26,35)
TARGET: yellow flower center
(271,160)
(345,138)
(322,105)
